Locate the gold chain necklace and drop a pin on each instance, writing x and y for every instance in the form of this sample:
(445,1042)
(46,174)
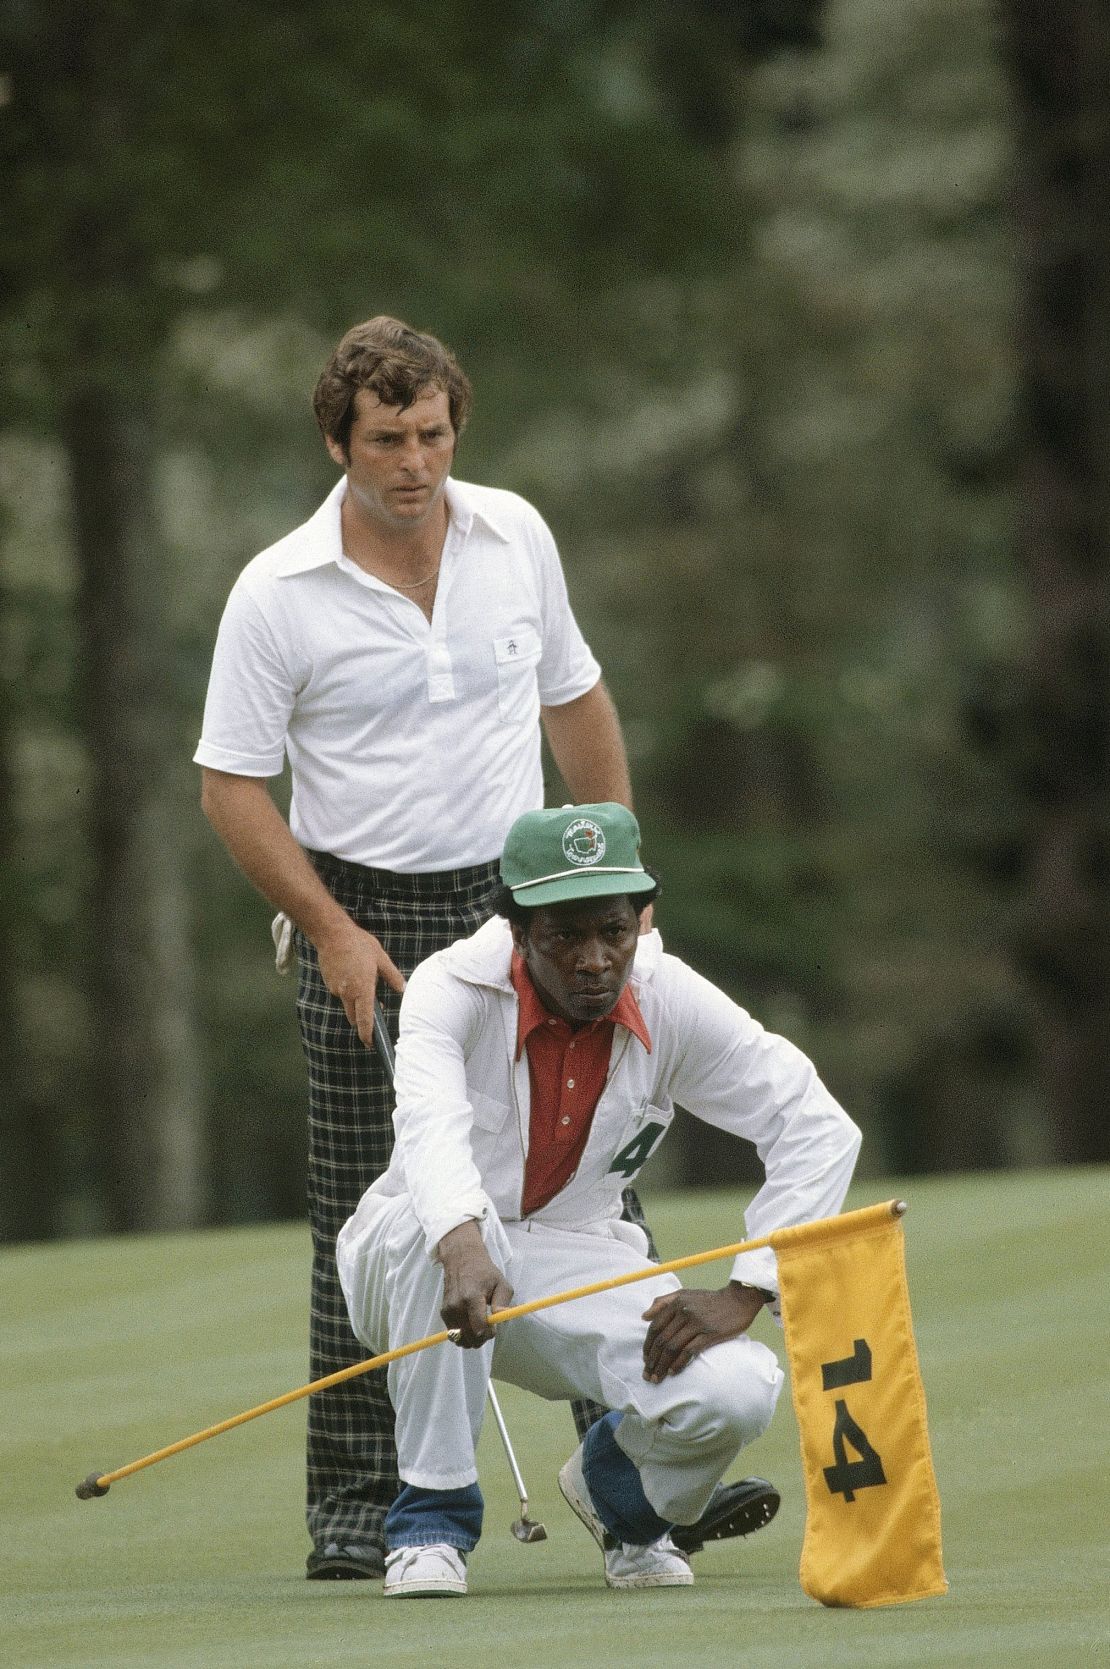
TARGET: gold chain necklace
(416,585)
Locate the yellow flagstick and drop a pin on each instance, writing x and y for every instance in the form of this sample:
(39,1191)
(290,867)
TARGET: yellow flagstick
(98,1483)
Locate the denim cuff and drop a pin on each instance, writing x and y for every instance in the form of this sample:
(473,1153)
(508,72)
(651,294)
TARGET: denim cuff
(615,1488)
(420,1517)
(425,1539)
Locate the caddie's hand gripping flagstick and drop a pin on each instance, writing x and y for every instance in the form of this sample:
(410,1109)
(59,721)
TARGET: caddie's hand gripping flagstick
(525,1529)
(98,1483)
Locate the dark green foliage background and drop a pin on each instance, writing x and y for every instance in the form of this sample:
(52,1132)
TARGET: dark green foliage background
(739,300)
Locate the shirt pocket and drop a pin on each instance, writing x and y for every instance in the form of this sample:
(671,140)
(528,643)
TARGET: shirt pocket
(517,657)
(489,1115)
(639,1139)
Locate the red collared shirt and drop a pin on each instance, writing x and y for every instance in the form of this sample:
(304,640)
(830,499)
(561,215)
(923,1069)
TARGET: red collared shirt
(567,1069)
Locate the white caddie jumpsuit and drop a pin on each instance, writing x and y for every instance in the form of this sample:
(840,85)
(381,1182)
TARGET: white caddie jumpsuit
(462,1127)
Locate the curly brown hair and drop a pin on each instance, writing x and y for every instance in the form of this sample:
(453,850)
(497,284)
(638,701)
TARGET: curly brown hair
(394,362)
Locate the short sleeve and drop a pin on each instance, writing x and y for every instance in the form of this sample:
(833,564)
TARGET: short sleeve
(250,694)
(567,668)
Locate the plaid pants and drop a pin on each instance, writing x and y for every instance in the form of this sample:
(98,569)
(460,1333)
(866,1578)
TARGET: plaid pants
(351,1459)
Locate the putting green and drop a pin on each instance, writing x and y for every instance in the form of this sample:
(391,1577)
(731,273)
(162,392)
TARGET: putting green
(113,1348)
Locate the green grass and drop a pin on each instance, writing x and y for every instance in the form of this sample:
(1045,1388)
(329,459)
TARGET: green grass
(113,1348)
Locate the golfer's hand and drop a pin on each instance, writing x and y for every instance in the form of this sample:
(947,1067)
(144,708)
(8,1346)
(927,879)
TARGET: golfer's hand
(685,1323)
(351,963)
(472,1285)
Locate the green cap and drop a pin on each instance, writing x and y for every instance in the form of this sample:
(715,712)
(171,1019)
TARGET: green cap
(590,851)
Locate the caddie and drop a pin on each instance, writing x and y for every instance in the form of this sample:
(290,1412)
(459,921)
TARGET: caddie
(539,1063)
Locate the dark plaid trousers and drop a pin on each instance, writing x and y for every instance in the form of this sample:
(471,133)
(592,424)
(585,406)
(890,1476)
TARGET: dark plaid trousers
(351,1459)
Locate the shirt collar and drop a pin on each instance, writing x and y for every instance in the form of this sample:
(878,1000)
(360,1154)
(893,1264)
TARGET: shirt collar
(466,505)
(532,1013)
(320,539)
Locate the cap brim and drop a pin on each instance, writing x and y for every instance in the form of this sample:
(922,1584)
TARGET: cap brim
(568,888)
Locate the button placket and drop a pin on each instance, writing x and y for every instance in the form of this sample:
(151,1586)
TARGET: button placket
(441,675)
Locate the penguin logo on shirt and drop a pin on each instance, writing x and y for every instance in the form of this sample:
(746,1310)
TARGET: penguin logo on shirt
(583,842)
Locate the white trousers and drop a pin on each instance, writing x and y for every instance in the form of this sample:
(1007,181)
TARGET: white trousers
(682,1434)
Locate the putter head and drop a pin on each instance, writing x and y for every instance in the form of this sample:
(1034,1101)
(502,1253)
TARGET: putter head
(526,1529)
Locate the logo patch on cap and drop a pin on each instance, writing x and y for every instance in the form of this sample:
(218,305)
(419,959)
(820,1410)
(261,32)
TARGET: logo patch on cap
(583,842)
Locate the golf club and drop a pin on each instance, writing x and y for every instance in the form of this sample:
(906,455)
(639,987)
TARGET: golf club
(525,1529)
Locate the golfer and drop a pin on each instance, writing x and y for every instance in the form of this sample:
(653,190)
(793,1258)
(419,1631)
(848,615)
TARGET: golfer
(538,1066)
(402,648)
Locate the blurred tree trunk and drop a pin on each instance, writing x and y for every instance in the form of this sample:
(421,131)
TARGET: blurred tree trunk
(739,774)
(29,1159)
(145,1114)
(1060,63)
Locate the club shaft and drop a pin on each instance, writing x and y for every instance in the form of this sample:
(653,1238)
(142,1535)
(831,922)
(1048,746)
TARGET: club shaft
(495,1409)
(383,1043)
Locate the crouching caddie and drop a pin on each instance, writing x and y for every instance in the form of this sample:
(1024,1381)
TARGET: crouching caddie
(538,1066)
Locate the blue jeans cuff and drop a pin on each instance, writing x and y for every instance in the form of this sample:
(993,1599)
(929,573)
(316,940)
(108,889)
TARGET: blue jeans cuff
(615,1488)
(449,1537)
(420,1517)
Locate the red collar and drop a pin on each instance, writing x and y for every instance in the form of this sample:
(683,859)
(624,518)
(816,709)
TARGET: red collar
(625,1011)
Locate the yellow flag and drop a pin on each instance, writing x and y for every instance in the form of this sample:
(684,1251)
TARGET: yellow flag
(872,1511)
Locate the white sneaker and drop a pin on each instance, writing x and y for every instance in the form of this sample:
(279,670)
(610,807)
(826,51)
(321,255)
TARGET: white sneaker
(572,1483)
(657,1564)
(412,1572)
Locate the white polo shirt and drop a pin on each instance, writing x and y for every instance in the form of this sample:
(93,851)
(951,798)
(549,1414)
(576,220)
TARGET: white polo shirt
(413,744)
